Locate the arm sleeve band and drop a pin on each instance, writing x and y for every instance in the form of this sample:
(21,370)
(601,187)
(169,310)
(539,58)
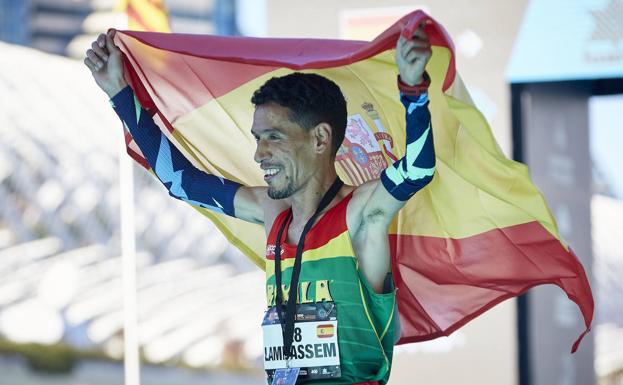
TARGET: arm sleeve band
(415,169)
(183,180)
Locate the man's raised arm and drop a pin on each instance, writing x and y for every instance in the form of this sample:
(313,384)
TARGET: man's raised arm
(177,174)
(401,180)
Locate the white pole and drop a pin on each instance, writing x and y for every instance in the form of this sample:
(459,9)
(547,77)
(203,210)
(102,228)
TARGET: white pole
(131,361)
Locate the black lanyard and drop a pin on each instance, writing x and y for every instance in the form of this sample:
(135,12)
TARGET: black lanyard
(287,324)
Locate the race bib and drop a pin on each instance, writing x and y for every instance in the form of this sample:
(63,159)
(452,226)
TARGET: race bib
(315,350)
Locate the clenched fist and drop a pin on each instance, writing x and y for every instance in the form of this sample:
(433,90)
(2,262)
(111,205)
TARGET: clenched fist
(412,55)
(104,59)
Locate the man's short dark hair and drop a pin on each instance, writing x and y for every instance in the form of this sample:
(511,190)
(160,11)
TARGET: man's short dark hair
(311,98)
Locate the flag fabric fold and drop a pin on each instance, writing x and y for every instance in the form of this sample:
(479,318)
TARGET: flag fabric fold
(478,234)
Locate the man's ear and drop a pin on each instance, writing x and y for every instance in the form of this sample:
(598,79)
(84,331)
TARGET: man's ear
(323,134)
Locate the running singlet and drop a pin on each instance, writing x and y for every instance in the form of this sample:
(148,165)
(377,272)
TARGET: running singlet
(334,300)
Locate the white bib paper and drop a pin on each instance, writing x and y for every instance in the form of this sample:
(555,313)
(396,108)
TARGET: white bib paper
(315,345)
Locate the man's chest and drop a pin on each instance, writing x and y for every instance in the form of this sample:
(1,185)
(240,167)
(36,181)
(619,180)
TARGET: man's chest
(368,240)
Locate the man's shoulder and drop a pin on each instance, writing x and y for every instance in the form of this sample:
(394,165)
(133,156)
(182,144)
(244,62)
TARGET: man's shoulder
(253,204)
(362,193)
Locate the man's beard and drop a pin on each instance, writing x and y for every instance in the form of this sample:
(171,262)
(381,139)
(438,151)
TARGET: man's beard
(283,193)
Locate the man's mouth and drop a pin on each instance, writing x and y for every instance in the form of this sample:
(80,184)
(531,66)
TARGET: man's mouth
(270,173)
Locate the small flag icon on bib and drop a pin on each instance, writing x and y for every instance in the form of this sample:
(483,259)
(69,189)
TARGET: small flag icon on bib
(325,331)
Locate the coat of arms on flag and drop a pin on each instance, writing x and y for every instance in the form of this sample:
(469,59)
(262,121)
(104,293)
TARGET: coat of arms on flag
(360,155)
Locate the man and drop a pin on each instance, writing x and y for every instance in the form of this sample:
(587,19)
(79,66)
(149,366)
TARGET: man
(336,327)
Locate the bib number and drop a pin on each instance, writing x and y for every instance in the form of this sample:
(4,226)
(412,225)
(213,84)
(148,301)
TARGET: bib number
(315,349)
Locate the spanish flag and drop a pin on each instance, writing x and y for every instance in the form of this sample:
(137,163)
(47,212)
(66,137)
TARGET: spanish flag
(478,234)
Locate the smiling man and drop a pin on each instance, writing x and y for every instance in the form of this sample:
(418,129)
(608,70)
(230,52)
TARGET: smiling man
(331,302)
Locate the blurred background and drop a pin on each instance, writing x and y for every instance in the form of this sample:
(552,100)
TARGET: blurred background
(547,74)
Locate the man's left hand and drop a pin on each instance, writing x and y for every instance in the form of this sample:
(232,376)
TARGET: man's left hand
(412,55)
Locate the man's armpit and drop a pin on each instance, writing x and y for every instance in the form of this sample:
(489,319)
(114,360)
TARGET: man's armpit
(380,207)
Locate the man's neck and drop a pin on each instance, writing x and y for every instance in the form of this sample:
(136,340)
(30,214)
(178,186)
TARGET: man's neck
(305,202)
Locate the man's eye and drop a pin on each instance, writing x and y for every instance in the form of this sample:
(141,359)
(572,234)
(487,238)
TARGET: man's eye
(273,137)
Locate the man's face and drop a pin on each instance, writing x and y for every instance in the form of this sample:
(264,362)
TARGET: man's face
(284,150)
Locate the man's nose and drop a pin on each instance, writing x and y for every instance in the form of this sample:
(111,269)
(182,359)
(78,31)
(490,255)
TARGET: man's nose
(261,151)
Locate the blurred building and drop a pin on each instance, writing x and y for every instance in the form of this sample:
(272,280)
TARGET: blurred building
(567,56)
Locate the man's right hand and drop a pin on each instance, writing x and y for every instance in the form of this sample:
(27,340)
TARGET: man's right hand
(104,59)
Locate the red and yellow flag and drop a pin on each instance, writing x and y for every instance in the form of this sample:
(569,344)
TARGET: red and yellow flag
(478,234)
